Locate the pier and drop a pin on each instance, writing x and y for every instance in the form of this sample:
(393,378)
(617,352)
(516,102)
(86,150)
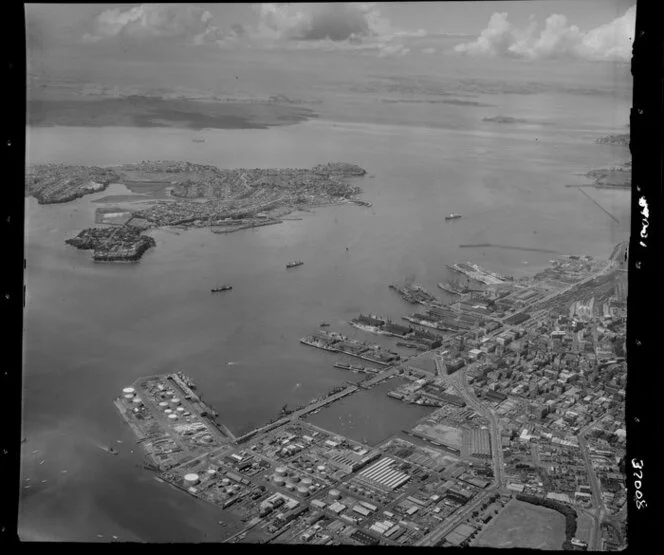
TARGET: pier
(298,413)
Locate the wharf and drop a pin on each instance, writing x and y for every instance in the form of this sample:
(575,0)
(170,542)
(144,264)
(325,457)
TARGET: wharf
(378,378)
(473,271)
(363,354)
(298,413)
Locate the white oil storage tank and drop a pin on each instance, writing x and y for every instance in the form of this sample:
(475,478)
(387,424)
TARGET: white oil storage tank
(335,493)
(303,491)
(136,400)
(168,411)
(173,416)
(163,404)
(191,479)
(128,391)
(279,480)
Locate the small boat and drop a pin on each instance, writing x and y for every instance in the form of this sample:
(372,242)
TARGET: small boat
(452,216)
(110,450)
(324,324)
(221,288)
(294,264)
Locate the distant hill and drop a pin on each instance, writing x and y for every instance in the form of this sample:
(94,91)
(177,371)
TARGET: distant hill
(620,140)
(505,119)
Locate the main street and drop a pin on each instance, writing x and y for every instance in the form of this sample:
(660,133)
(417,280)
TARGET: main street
(494,428)
(599,508)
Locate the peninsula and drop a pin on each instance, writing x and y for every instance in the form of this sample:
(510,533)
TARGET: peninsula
(201,196)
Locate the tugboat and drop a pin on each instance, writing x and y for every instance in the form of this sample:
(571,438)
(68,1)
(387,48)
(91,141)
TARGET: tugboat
(452,216)
(294,264)
(222,288)
(109,450)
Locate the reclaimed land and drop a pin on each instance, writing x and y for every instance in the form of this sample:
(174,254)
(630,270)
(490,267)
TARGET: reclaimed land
(523,525)
(201,196)
(150,111)
(617,177)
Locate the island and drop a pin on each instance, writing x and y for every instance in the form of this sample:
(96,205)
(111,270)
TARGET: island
(504,119)
(70,108)
(113,244)
(198,196)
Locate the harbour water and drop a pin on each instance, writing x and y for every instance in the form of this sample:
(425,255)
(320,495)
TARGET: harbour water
(370,416)
(91,329)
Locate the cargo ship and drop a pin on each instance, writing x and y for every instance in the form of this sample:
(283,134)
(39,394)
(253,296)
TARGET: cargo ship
(415,294)
(294,264)
(452,216)
(198,140)
(221,288)
(451,287)
(369,323)
(428,323)
(361,369)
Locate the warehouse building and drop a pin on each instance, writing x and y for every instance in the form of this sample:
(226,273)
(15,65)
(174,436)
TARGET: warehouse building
(383,475)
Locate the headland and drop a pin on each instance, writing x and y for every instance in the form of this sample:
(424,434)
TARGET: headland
(200,196)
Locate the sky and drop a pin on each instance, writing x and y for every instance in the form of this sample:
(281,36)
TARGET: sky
(507,35)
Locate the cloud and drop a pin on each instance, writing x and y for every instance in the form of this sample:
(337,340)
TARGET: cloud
(330,27)
(325,21)
(187,23)
(610,42)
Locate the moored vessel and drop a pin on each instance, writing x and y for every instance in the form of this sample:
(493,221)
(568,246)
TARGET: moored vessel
(221,288)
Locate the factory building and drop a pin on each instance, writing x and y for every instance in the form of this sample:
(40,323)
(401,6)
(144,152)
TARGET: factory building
(383,475)
(352,462)
(480,443)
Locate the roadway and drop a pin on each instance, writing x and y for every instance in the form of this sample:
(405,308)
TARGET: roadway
(462,387)
(599,508)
